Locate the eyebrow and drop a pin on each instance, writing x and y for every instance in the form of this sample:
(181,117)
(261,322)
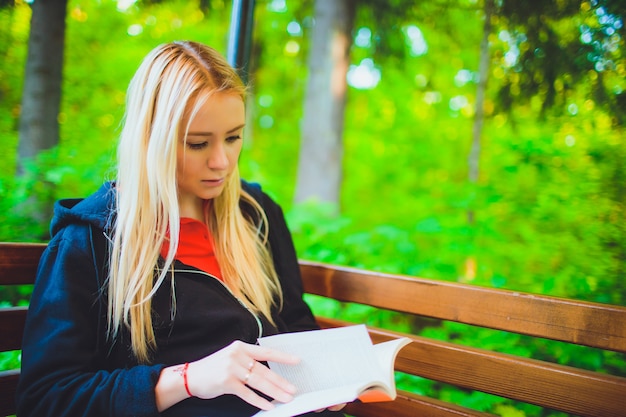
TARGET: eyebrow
(211,133)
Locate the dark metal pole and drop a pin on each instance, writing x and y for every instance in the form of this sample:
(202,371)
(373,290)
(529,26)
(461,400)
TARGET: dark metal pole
(240,38)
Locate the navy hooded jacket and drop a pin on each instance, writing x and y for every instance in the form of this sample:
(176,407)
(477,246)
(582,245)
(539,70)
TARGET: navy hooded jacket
(70,368)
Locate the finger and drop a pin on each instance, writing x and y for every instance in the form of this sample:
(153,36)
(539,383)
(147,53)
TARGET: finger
(251,397)
(271,385)
(268,354)
(337,407)
(263,373)
(249,369)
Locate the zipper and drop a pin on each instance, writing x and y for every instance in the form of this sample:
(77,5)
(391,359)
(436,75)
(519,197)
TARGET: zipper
(256,317)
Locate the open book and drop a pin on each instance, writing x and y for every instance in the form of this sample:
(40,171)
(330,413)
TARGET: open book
(336,366)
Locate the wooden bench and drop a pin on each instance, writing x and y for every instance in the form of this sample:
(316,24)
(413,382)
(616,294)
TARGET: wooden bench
(567,389)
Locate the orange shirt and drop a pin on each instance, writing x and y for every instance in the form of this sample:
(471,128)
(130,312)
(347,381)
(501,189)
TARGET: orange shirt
(195,247)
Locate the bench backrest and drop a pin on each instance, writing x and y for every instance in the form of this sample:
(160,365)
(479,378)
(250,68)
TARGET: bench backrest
(571,390)
(18,266)
(563,388)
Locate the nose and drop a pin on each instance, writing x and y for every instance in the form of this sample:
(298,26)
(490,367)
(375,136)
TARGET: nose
(218,158)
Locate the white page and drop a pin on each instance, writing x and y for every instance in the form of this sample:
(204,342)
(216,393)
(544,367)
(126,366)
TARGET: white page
(318,400)
(329,358)
(385,352)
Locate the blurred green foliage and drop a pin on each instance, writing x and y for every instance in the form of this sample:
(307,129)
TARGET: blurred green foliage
(550,212)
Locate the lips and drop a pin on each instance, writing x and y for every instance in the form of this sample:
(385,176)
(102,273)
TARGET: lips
(213,182)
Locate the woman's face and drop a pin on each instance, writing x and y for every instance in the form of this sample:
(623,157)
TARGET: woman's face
(209,153)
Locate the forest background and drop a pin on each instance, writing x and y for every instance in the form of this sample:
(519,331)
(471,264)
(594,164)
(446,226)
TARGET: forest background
(546,214)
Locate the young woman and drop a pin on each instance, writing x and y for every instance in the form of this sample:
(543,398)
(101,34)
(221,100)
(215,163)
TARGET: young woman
(153,291)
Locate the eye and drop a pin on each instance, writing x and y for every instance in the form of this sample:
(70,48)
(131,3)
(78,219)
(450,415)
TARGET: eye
(233,138)
(197,146)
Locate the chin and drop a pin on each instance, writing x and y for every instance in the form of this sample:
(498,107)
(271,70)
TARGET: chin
(212,194)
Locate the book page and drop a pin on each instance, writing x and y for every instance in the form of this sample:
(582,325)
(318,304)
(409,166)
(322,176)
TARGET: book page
(312,401)
(329,358)
(386,353)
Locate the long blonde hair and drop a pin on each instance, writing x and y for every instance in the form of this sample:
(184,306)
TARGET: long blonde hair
(161,96)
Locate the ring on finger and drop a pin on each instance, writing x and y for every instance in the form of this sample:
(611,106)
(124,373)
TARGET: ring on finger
(249,373)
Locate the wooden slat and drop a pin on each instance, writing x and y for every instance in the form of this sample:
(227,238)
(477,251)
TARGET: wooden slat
(12,321)
(411,405)
(8,387)
(585,323)
(18,262)
(563,388)
(18,266)
(548,385)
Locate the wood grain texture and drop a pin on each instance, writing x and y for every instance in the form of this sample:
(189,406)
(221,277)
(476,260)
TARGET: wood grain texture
(558,387)
(590,324)
(18,266)
(571,390)
(18,262)
(12,321)
(411,405)
(8,386)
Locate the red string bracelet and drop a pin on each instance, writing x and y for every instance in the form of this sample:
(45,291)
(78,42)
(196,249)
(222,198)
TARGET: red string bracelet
(183,373)
(185,379)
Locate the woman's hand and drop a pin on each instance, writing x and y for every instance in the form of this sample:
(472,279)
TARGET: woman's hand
(236,369)
(233,370)
(337,407)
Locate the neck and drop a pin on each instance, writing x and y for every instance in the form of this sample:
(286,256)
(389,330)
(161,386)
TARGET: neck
(194,211)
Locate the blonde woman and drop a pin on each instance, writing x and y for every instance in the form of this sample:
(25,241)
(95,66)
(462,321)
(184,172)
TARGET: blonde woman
(153,291)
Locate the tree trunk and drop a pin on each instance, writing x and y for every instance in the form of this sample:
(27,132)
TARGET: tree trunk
(41,103)
(41,100)
(479,118)
(321,148)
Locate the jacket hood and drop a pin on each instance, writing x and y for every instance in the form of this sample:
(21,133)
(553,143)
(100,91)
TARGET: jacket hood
(97,210)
